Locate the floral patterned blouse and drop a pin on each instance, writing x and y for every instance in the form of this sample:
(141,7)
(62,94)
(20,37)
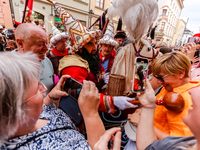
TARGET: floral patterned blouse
(52,135)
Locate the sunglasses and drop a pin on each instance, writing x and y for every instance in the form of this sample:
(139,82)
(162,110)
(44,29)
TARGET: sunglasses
(160,78)
(42,90)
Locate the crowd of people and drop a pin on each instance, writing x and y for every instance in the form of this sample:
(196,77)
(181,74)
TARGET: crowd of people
(34,66)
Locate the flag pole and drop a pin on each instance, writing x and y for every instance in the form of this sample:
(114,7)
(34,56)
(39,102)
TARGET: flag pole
(26,2)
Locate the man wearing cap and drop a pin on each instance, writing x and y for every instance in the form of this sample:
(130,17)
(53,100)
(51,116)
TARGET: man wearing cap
(59,42)
(107,52)
(85,63)
(120,37)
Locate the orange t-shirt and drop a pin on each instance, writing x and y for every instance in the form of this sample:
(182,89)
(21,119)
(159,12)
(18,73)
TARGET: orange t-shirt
(172,122)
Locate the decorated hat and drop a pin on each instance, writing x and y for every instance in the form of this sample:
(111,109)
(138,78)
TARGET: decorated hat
(80,34)
(57,35)
(108,37)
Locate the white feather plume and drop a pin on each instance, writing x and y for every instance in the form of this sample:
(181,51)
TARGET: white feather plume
(137,15)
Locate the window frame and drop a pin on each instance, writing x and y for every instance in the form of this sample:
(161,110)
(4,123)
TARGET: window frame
(99,4)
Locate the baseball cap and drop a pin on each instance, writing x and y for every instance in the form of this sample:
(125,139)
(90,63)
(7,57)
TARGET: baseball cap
(130,130)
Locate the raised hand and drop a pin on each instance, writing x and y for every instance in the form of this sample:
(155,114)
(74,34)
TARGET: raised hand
(147,98)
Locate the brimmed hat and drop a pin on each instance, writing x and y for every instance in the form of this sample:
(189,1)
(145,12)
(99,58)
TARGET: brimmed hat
(130,130)
(80,34)
(108,37)
(57,35)
(120,34)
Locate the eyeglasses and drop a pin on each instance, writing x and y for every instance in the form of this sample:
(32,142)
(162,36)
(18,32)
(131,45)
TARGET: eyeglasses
(160,78)
(42,88)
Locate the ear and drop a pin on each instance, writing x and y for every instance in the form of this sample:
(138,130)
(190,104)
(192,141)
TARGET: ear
(19,44)
(182,75)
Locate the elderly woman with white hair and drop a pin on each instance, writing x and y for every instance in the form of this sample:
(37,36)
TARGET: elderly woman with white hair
(29,121)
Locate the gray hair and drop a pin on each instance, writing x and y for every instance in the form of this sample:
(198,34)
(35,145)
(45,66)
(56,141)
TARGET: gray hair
(17,71)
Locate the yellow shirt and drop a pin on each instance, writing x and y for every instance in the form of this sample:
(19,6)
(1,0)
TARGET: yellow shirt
(172,122)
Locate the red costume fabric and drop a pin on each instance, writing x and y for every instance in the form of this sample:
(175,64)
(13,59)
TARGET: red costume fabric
(54,55)
(111,58)
(58,53)
(80,74)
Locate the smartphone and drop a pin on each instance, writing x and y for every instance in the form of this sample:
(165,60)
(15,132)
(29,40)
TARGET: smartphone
(73,87)
(69,104)
(192,40)
(140,74)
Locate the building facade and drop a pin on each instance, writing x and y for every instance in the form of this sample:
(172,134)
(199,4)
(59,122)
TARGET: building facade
(169,12)
(44,10)
(178,34)
(5,14)
(99,7)
(186,35)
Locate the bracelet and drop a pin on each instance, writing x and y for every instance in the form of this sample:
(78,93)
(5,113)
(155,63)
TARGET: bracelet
(53,98)
(151,107)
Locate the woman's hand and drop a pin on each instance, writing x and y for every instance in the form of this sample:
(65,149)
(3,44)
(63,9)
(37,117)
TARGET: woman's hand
(135,117)
(147,98)
(190,50)
(89,99)
(102,144)
(56,93)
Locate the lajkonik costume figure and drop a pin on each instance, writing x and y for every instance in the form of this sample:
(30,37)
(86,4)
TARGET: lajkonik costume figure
(137,16)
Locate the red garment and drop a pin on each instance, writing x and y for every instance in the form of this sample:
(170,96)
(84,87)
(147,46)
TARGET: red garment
(80,74)
(30,6)
(77,73)
(111,58)
(54,55)
(58,53)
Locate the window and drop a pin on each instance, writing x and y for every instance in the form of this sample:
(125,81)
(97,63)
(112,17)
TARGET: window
(59,25)
(100,3)
(83,22)
(164,12)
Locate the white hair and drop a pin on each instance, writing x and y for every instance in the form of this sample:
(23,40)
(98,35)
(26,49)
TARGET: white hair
(137,15)
(17,71)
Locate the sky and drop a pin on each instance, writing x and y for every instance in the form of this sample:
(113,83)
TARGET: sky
(191,10)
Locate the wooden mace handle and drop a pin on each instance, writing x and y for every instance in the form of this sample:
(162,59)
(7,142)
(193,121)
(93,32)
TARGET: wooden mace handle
(172,101)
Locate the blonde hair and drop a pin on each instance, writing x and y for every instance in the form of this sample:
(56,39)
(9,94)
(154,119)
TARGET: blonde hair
(17,71)
(171,63)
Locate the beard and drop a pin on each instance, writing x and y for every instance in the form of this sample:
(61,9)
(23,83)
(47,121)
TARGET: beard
(92,59)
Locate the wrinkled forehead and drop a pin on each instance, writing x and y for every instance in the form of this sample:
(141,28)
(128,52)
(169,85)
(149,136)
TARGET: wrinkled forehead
(38,36)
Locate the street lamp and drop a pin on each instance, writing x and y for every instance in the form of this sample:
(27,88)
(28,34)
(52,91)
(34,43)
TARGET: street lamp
(91,13)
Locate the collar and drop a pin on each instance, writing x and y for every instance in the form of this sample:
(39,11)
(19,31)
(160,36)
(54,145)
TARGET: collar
(58,53)
(106,57)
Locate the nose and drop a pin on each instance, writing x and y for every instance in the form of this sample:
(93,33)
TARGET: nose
(94,47)
(159,81)
(45,47)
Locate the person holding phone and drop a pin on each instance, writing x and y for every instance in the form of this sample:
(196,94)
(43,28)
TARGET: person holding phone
(30,121)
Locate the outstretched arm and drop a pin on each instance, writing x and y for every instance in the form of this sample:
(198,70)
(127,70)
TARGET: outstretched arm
(145,131)
(89,103)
